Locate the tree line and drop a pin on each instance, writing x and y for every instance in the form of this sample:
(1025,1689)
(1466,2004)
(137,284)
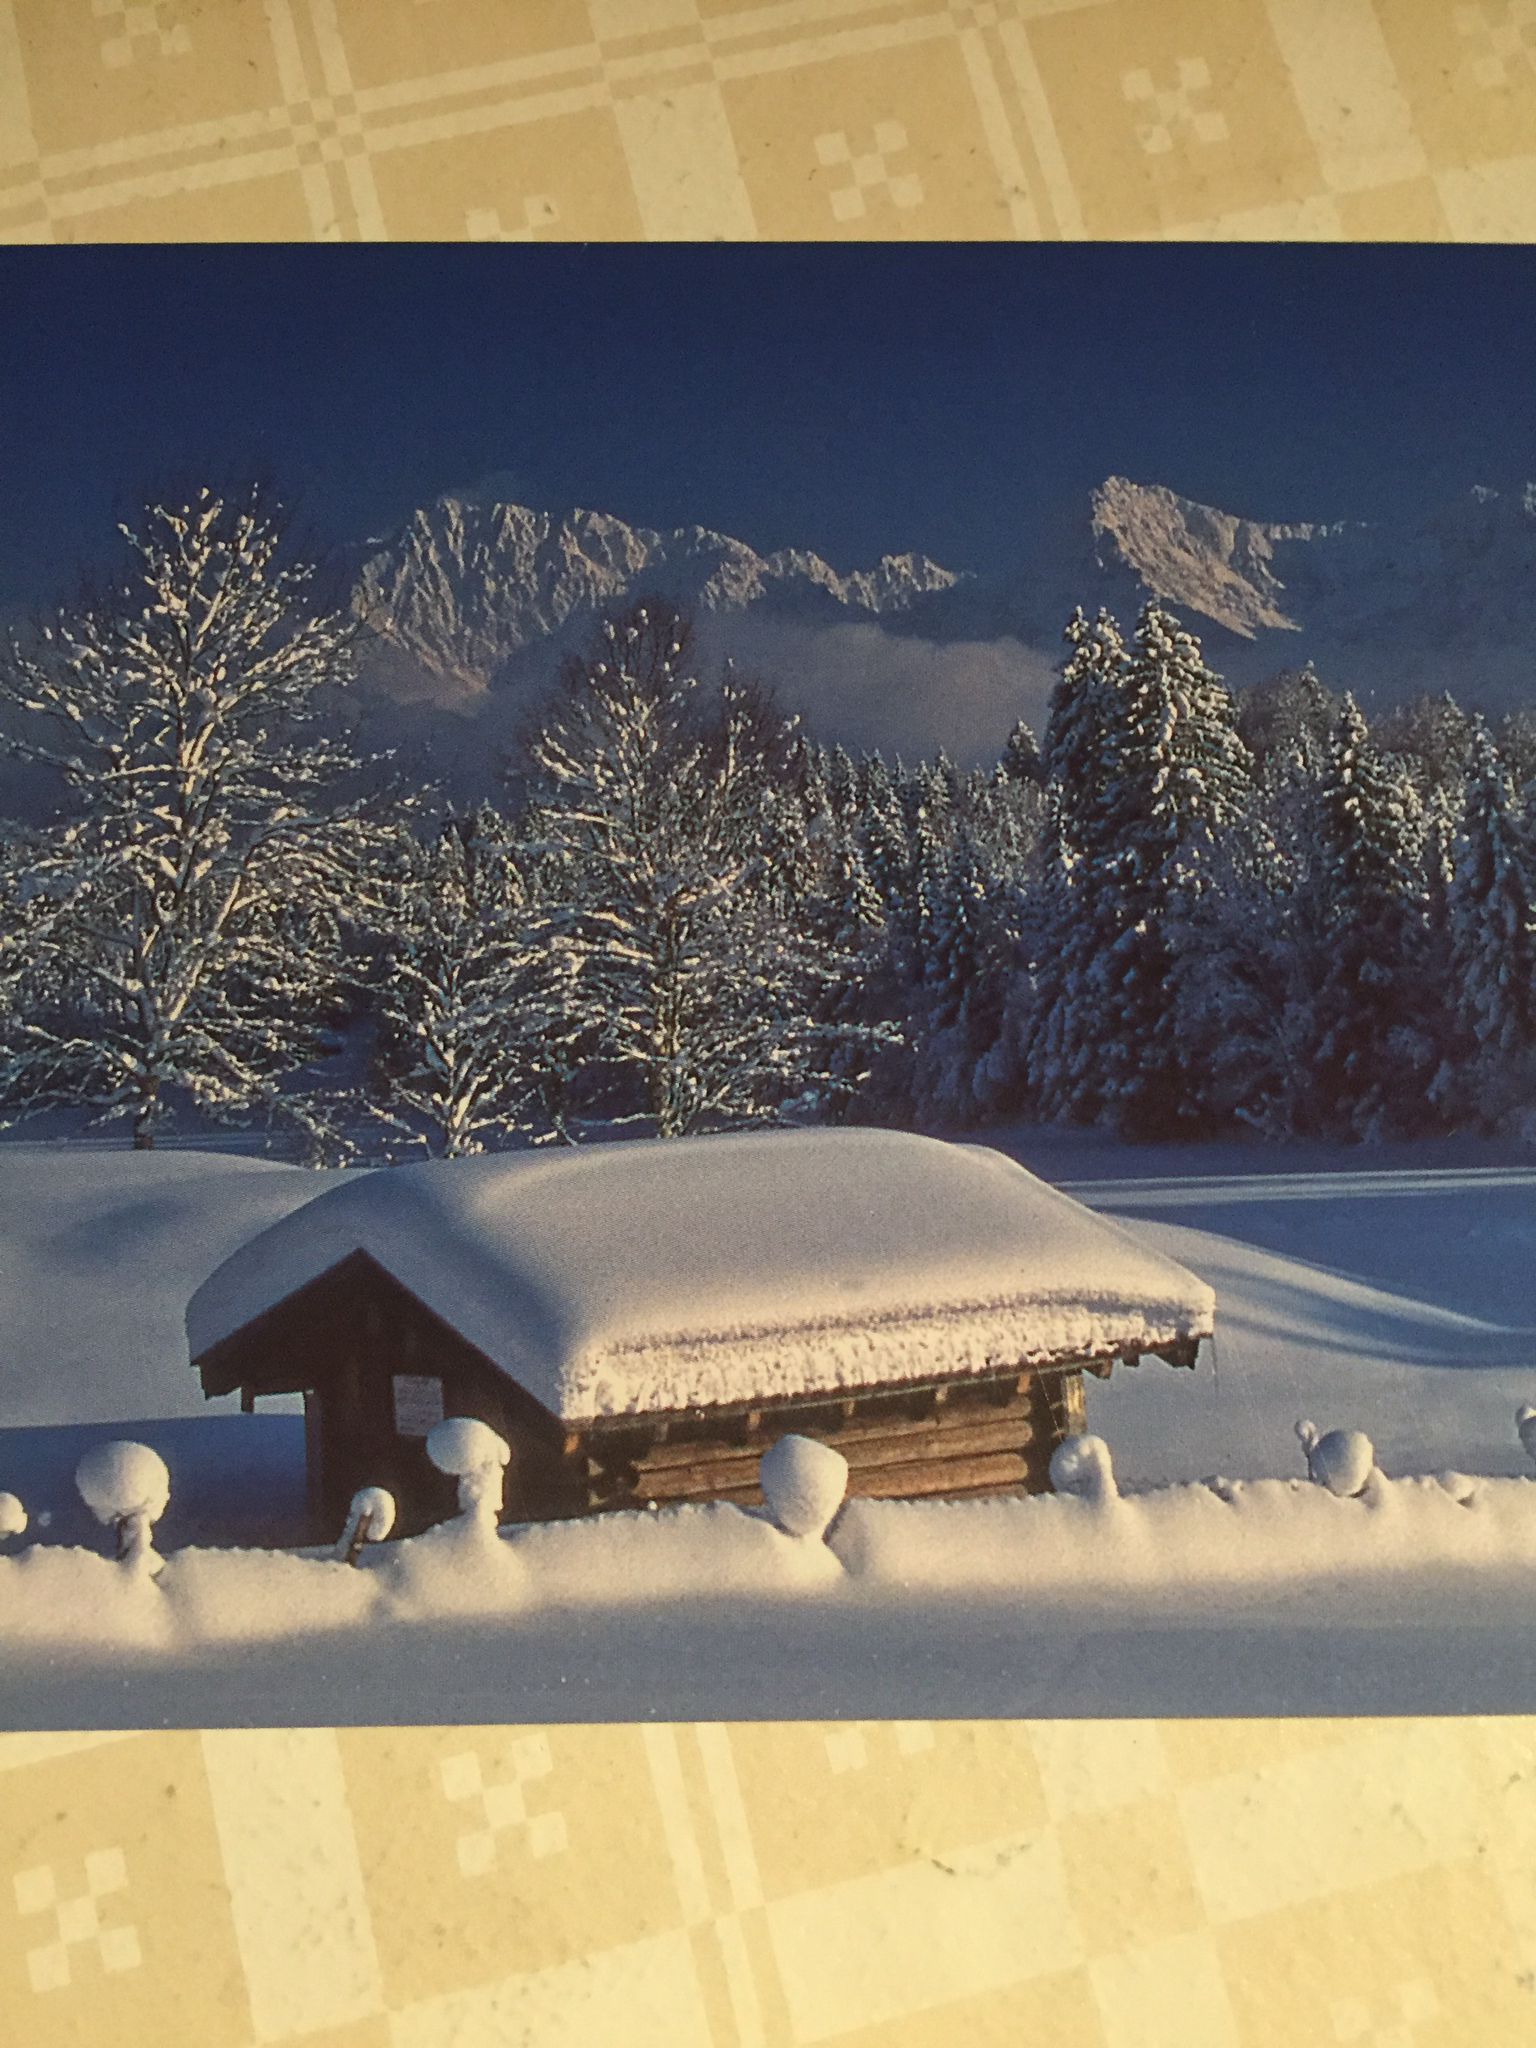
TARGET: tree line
(1181,912)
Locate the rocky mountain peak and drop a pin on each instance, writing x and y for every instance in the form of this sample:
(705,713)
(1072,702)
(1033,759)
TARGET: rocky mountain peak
(470,581)
(1189,554)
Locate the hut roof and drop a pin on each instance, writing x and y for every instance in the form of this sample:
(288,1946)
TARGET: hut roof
(618,1279)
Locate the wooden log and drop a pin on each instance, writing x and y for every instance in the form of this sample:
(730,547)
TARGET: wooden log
(877,1429)
(974,1478)
(956,1440)
(694,1483)
(716,1465)
(938,1476)
(1067,1403)
(1182,1351)
(887,1469)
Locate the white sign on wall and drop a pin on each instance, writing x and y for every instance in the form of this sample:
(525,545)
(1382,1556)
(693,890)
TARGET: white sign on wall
(418,1404)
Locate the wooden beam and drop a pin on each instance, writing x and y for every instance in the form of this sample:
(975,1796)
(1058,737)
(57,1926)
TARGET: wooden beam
(888,1478)
(954,1432)
(937,1476)
(876,1428)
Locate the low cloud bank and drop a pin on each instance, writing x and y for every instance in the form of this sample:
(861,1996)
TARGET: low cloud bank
(866,686)
(857,683)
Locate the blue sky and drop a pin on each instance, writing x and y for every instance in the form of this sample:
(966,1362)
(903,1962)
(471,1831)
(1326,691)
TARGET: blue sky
(953,399)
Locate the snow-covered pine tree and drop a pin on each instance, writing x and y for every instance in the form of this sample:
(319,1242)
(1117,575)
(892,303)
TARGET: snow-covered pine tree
(649,791)
(1021,760)
(194,892)
(469,1004)
(1146,771)
(1211,764)
(842,777)
(1492,919)
(1433,737)
(1249,952)
(1006,820)
(1049,1017)
(966,969)
(1287,721)
(1516,737)
(1081,733)
(930,805)
(843,915)
(1374,1051)
(883,835)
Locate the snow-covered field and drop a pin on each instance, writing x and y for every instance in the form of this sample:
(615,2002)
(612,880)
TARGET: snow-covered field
(1394,1291)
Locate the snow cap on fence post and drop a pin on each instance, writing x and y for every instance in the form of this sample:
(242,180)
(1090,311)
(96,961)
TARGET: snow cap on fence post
(13,1517)
(369,1520)
(1082,1466)
(1342,1460)
(127,1488)
(477,1457)
(804,1484)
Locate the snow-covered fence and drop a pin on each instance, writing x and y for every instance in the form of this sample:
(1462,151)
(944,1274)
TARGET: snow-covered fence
(1083,1467)
(1344,1534)
(804,1484)
(127,1488)
(369,1520)
(473,1454)
(1343,1460)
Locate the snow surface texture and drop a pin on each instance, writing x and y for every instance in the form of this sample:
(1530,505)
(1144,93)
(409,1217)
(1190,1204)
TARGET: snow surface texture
(101,1248)
(1406,1296)
(445,1618)
(617,1279)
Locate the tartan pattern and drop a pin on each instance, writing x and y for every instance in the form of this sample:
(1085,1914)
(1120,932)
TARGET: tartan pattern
(148,120)
(870,1885)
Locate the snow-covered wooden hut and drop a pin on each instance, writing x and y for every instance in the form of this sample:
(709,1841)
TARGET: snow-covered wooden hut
(640,1321)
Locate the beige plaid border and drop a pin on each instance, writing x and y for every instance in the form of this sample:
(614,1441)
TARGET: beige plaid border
(518,119)
(911,1885)
(1177,1885)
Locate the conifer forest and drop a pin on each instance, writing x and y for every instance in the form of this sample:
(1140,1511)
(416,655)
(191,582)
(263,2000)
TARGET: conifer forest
(1178,911)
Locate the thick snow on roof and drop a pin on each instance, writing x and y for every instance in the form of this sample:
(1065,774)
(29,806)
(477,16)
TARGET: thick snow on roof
(625,1278)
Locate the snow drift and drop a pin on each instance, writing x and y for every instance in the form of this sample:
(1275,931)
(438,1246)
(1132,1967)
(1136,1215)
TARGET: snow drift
(717,1596)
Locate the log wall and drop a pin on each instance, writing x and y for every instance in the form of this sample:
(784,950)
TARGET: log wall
(990,1434)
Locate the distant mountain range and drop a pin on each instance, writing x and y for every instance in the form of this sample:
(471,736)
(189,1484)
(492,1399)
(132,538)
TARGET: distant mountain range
(469,584)
(473,600)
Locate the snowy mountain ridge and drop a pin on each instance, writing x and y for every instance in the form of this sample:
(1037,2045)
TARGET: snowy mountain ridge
(1189,554)
(473,600)
(470,581)
(1463,577)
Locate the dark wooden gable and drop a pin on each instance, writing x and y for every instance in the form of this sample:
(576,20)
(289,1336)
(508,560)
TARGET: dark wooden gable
(344,1340)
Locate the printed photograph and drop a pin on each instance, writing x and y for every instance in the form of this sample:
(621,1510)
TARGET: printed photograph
(762,982)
